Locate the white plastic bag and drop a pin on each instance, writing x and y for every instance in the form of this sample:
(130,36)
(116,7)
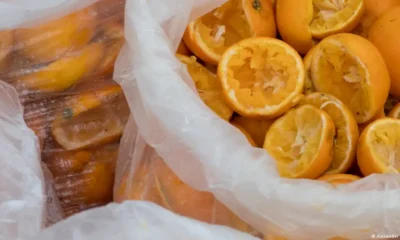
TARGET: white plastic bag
(209,154)
(22,189)
(27,201)
(24,196)
(136,220)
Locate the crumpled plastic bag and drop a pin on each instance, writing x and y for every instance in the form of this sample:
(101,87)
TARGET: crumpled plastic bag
(59,56)
(22,187)
(136,220)
(29,207)
(210,155)
(26,201)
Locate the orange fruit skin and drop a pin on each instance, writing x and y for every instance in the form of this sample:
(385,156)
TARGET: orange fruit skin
(378,7)
(257,19)
(255,128)
(154,181)
(251,141)
(346,127)
(373,60)
(349,26)
(189,40)
(286,104)
(373,10)
(182,198)
(295,32)
(320,163)
(317,167)
(307,60)
(51,40)
(337,179)
(365,159)
(65,72)
(192,203)
(74,133)
(258,16)
(385,35)
(83,179)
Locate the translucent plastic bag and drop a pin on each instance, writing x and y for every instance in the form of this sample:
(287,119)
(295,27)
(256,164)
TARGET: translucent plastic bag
(210,155)
(59,56)
(82,172)
(136,220)
(26,202)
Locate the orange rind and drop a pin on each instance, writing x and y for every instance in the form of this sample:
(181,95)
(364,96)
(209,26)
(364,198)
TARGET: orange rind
(87,120)
(210,35)
(344,150)
(385,35)
(301,21)
(208,86)
(301,142)
(261,77)
(378,147)
(351,68)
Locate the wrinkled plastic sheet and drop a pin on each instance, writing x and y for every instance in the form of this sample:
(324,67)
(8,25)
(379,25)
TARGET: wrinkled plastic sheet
(28,203)
(210,155)
(202,149)
(136,220)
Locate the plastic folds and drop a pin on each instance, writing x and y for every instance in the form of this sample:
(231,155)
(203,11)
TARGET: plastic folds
(136,220)
(59,56)
(210,155)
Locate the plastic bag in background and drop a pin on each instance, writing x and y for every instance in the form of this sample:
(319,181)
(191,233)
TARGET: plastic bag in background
(209,155)
(136,220)
(60,57)
(84,178)
(22,199)
(152,180)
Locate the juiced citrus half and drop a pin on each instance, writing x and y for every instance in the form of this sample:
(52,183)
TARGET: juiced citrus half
(254,127)
(208,86)
(210,35)
(373,10)
(337,179)
(378,149)
(91,119)
(299,21)
(261,77)
(385,35)
(395,112)
(301,142)
(352,69)
(344,150)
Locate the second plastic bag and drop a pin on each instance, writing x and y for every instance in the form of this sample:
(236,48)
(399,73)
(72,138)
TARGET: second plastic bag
(210,155)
